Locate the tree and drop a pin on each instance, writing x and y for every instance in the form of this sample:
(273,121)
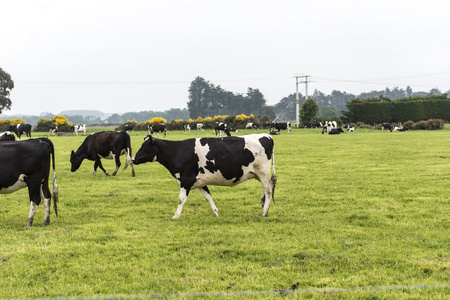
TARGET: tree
(6,85)
(309,110)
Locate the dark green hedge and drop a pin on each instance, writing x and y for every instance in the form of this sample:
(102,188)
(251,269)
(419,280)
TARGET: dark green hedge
(382,109)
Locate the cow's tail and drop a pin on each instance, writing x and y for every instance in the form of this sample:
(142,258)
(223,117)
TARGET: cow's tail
(55,185)
(273,178)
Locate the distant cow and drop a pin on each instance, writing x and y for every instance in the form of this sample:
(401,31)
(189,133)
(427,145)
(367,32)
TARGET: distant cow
(200,126)
(128,127)
(187,127)
(386,126)
(20,129)
(272,132)
(27,164)
(157,128)
(7,136)
(105,144)
(78,128)
(251,125)
(335,131)
(53,130)
(196,163)
(221,129)
(282,126)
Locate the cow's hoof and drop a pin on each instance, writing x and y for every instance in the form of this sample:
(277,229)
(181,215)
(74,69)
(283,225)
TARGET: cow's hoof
(175,217)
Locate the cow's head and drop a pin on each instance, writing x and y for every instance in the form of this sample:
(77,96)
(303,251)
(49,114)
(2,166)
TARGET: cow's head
(75,161)
(147,152)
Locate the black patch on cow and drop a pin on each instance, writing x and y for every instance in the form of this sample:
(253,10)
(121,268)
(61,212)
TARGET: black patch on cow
(227,155)
(267,145)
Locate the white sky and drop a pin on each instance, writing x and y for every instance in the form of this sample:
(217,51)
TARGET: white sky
(121,56)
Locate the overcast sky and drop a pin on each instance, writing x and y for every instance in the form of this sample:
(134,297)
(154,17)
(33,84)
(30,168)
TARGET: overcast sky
(121,56)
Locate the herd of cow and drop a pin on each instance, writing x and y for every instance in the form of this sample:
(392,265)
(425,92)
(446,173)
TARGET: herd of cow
(195,163)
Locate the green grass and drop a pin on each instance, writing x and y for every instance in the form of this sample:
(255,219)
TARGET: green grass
(362,209)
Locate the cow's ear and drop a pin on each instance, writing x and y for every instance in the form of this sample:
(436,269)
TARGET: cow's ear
(72,153)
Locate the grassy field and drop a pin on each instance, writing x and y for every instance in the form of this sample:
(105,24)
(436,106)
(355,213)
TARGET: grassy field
(367,209)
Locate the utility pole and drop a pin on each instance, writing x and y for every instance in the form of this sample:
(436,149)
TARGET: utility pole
(297,105)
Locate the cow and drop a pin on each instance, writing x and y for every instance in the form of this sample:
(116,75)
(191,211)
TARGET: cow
(200,126)
(221,129)
(77,128)
(128,127)
(403,129)
(7,136)
(27,164)
(335,131)
(53,130)
(281,126)
(252,125)
(20,129)
(105,144)
(187,127)
(198,162)
(386,126)
(272,132)
(157,128)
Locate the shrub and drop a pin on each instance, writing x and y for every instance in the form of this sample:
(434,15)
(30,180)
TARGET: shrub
(408,125)
(4,124)
(421,125)
(14,122)
(434,124)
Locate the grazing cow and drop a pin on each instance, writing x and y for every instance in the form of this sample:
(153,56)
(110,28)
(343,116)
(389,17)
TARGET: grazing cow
(77,128)
(252,125)
(20,129)
(200,126)
(187,127)
(386,126)
(53,130)
(7,136)
(105,144)
(157,128)
(282,126)
(27,164)
(350,129)
(128,127)
(221,129)
(196,163)
(403,129)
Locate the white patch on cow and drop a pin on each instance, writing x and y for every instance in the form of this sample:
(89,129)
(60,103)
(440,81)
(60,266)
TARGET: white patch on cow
(19,184)
(178,178)
(33,209)
(181,200)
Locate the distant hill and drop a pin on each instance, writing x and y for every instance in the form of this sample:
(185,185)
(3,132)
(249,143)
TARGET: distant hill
(84,113)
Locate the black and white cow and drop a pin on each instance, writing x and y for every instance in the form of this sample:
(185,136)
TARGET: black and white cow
(7,136)
(53,130)
(197,163)
(252,125)
(187,127)
(221,129)
(27,164)
(20,129)
(128,127)
(157,128)
(386,126)
(78,128)
(200,126)
(105,144)
(282,126)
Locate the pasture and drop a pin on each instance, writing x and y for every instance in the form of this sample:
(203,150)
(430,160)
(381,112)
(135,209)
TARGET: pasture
(365,212)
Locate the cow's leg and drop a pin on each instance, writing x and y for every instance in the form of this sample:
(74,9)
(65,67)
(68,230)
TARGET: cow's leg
(98,163)
(129,161)
(46,198)
(181,200)
(35,199)
(116,158)
(268,184)
(205,192)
